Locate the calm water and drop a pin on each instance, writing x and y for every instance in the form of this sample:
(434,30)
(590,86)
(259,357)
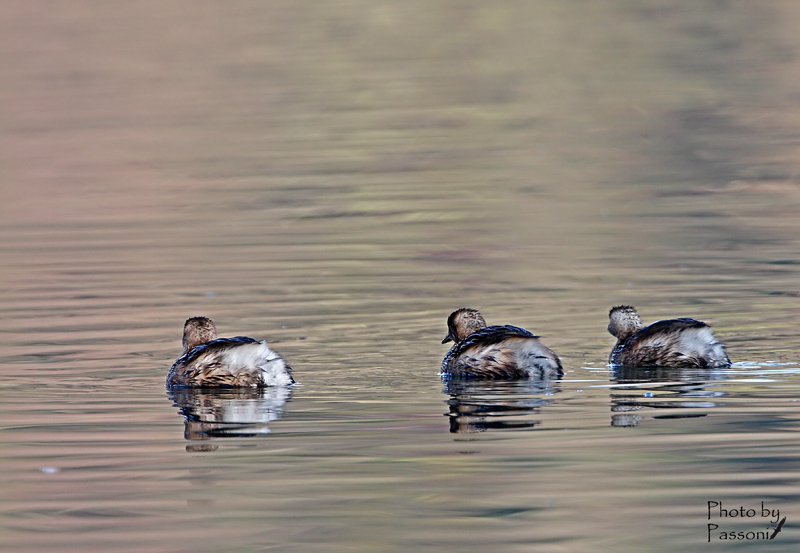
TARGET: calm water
(336,178)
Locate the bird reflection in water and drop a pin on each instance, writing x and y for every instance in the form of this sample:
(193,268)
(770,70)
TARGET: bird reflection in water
(480,405)
(664,388)
(228,412)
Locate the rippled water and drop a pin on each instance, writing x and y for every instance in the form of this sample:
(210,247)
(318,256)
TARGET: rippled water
(337,178)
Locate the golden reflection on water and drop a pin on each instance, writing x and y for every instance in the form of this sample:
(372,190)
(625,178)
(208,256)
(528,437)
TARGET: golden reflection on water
(336,179)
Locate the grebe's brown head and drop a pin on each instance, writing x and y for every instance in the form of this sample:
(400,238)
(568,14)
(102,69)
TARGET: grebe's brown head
(623,321)
(196,331)
(461,323)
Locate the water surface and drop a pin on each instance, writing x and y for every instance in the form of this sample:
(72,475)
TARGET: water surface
(336,179)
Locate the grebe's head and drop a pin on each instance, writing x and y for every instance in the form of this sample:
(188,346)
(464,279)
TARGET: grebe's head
(623,321)
(196,331)
(461,323)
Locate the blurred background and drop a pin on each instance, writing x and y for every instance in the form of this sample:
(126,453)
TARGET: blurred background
(337,177)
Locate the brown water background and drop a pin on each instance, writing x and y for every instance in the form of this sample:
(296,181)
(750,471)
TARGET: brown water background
(336,178)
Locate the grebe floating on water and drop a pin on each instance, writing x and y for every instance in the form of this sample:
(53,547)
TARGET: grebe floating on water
(208,361)
(671,343)
(495,352)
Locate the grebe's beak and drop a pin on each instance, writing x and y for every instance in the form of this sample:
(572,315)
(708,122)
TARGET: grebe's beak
(447,339)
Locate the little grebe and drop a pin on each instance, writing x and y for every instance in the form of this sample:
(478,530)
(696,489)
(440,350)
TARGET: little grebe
(495,352)
(208,361)
(671,343)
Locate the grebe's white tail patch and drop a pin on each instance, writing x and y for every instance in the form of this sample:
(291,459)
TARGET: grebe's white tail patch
(701,343)
(257,356)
